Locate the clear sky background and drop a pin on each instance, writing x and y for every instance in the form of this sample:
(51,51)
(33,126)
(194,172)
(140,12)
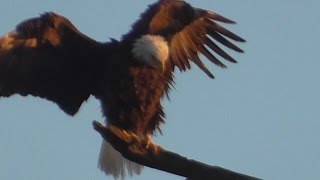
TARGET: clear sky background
(259,117)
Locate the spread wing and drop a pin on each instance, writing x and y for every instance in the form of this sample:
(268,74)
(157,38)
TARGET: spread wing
(200,36)
(191,32)
(48,57)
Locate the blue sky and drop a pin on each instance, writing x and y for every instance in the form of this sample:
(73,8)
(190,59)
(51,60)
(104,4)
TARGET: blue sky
(259,117)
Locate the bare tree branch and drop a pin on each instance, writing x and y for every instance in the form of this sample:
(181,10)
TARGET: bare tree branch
(135,149)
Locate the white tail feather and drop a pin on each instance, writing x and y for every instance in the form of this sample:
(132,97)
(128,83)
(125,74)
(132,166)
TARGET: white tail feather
(111,162)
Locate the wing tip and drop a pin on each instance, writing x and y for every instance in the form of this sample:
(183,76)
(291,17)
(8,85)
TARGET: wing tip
(239,50)
(211,76)
(240,39)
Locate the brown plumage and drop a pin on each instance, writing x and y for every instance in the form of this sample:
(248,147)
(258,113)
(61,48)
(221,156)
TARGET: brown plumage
(48,57)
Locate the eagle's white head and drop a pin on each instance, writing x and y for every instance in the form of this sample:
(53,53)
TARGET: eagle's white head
(152,50)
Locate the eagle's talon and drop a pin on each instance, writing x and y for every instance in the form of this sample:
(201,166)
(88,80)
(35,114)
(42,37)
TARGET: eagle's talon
(153,148)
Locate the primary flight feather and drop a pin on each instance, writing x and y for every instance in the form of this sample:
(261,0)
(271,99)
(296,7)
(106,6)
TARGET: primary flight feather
(48,57)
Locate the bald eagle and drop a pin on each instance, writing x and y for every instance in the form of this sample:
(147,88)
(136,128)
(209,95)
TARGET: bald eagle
(50,58)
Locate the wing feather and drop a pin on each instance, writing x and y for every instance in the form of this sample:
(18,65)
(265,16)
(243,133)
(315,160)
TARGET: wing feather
(216,27)
(216,36)
(211,57)
(214,16)
(218,50)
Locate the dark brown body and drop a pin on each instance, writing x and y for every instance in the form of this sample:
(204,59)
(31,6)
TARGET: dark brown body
(130,93)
